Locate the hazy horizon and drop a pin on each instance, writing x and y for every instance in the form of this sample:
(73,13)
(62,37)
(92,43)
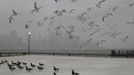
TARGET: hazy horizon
(67,24)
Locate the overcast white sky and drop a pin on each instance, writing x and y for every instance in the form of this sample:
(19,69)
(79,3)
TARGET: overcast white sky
(111,32)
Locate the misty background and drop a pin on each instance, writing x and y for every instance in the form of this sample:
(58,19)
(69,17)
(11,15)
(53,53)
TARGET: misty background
(90,26)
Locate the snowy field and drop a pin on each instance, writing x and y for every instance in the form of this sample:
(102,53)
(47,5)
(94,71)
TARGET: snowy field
(82,65)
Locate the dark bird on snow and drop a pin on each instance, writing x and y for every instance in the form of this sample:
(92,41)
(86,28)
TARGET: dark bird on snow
(11,68)
(24,63)
(14,63)
(32,65)
(20,67)
(41,64)
(40,68)
(28,69)
(9,65)
(55,69)
(54,73)
(19,62)
(75,73)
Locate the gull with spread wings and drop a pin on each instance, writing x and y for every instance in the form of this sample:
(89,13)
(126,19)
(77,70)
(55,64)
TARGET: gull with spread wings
(36,8)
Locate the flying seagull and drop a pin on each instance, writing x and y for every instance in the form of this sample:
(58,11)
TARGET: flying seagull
(130,22)
(113,9)
(36,9)
(112,27)
(88,41)
(106,16)
(102,41)
(93,33)
(115,33)
(71,11)
(58,12)
(104,34)
(90,9)
(124,39)
(57,0)
(58,27)
(10,19)
(129,4)
(45,18)
(99,3)
(81,17)
(14,13)
(92,23)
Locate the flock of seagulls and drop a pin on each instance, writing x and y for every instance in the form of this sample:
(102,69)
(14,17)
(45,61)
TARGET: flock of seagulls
(83,18)
(19,65)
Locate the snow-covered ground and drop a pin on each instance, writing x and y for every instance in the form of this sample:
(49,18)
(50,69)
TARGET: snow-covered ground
(82,65)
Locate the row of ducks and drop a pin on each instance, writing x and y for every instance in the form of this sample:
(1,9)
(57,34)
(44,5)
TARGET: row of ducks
(21,65)
(29,66)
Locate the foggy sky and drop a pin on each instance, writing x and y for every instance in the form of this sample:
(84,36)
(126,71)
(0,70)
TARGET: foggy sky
(44,37)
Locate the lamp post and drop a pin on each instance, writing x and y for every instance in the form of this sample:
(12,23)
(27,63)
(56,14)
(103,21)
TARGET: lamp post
(29,40)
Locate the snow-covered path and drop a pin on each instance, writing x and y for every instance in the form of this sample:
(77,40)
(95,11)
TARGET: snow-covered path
(82,65)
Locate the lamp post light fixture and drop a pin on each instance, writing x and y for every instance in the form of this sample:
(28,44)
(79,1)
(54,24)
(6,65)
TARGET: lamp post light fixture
(29,40)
